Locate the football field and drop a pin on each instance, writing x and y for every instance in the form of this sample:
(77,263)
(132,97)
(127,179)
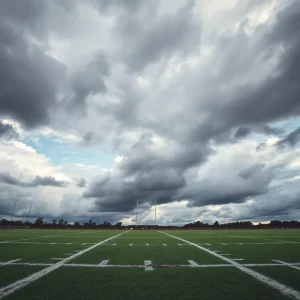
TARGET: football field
(142,264)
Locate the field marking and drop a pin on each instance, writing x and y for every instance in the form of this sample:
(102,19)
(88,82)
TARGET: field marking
(56,258)
(164,244)
(179,244)
(287,264)
(9,289)
(130,244)
(238,259)
(147,244)
(260,277)
(114,244)
(193,263)
(104,262)
(148,265)
(9,262)
(207,244)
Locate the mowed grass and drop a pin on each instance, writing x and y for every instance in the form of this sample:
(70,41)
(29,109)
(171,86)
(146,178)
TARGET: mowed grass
(167,280)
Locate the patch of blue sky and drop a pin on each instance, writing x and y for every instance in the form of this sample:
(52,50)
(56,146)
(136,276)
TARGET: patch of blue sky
(61,152)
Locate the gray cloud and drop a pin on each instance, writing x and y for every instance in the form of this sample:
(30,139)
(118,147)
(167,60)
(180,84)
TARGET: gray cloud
(30,77)
(90,80)
(87,137)
(37,181)
(242,132)
(7,131)
(156,37)
(290,139)
(81,183)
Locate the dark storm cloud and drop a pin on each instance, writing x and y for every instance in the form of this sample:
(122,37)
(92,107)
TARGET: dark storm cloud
(242,132)
(90,80)
(148,37)
(7,131)
(29,77)
(291,139)
(251,171)
(37,181)
(146,174)
(278,96)
(87,137)
(81,183)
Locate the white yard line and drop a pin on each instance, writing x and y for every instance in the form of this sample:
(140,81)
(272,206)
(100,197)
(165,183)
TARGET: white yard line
(104,262)
(287,264)
(9,262)
(260,277)
(9,289)
(148,265)
(193,264)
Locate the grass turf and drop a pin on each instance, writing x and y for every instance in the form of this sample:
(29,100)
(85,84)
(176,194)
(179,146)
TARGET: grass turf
(133,248)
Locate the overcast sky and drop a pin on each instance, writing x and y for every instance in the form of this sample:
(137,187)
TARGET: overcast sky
(194,105)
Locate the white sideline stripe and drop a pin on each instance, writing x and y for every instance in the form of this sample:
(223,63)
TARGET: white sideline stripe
(9,289)
(193,263)
(272,283)
(104,262)
(148,265)
(9,262)
(287,264)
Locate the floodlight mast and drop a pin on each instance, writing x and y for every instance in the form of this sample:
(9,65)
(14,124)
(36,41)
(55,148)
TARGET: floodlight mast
(155,211)
(12,212)
(29,212)
(137,206)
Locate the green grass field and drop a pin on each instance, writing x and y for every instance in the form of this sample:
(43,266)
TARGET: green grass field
(87,264)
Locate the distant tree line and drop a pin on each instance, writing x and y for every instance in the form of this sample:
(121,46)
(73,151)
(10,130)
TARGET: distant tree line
(61,223)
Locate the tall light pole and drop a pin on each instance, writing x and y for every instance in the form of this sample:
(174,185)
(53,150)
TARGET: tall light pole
(12,212)
(155,211)
(29,212)
(137,206)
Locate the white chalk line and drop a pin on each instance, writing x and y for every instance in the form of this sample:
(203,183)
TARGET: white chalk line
(148,265)
(102,264)
(9,289)
(9,262)
(80,243)
(260,277)
(287,264)
(193,263)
